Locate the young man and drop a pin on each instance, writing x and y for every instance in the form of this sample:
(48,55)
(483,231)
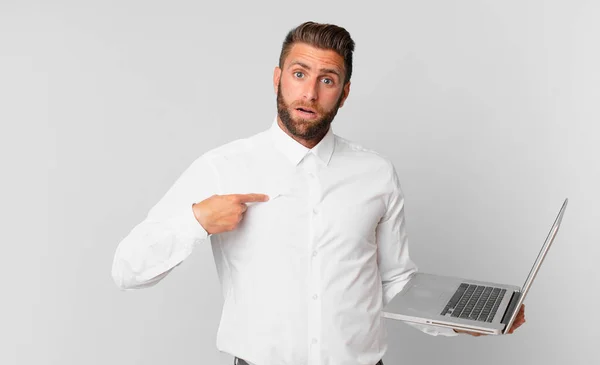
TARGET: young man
(307,228)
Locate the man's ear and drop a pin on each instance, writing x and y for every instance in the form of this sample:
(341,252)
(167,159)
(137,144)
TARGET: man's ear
(276,78)
(345,93)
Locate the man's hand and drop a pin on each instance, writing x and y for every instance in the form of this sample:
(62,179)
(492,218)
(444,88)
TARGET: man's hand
(516,324)
(222,213)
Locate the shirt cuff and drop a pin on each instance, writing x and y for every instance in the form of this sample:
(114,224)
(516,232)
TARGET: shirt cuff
(186,225)
(433,330)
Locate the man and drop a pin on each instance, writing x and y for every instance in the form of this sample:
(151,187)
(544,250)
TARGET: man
(307,228)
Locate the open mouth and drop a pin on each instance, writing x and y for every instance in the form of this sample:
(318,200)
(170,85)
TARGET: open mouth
(306,112)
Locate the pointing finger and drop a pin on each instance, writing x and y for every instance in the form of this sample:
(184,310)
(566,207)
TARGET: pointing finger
(251,198)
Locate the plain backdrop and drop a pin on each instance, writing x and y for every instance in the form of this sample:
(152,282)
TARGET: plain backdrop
(488,109)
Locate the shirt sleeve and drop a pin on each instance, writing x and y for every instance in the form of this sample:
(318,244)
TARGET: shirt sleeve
(169,232)
(395,265)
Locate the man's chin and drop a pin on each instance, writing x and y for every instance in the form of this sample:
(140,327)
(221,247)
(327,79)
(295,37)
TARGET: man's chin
(305,128)
(306,123)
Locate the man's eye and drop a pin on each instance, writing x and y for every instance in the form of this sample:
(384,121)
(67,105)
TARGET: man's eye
(298,74)
(328,81)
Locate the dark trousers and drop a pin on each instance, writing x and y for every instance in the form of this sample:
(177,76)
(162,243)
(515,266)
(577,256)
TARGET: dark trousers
(237,361)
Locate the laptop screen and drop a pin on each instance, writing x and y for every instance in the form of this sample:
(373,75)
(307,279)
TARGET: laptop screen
(538,262)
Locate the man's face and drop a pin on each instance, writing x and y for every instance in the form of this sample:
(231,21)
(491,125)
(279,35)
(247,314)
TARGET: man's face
(310,90)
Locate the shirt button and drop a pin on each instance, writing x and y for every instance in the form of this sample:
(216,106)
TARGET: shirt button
(315,297)
(316,210)
(314,340)
(314,253)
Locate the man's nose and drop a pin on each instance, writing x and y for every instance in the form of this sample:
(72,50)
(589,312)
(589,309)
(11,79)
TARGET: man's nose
(311,89)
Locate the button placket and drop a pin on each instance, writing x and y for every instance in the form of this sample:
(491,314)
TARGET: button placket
(313,302)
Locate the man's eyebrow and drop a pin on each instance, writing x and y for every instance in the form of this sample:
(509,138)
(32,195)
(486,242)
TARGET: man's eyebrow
(323,70)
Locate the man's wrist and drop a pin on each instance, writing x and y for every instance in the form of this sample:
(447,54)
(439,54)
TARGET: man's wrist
(198,216)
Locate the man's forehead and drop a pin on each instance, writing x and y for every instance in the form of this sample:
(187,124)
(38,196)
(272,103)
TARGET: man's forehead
(307,55)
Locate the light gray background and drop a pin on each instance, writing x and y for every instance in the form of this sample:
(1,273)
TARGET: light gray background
(488,109)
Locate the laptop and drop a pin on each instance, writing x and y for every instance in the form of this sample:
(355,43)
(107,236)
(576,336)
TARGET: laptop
(463,304)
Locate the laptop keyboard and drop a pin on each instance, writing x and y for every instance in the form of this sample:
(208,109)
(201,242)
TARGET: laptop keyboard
(475,302)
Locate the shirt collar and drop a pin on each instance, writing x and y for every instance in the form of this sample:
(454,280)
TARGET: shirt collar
(295,151)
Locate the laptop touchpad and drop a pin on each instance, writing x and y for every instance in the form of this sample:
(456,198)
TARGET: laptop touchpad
(423,299)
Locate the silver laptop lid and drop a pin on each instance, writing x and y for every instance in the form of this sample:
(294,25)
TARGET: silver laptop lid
(538,263)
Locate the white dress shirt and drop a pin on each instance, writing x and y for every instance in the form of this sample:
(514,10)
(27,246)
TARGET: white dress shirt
(305,275)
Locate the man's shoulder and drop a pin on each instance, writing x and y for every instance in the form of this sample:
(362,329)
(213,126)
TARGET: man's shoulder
(346,146)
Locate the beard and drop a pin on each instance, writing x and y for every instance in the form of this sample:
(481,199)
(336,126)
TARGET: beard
(302,128)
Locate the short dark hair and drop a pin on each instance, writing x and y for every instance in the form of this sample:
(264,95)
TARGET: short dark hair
(324,36)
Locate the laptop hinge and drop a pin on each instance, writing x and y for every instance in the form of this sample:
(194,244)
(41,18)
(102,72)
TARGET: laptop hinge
(511,307)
